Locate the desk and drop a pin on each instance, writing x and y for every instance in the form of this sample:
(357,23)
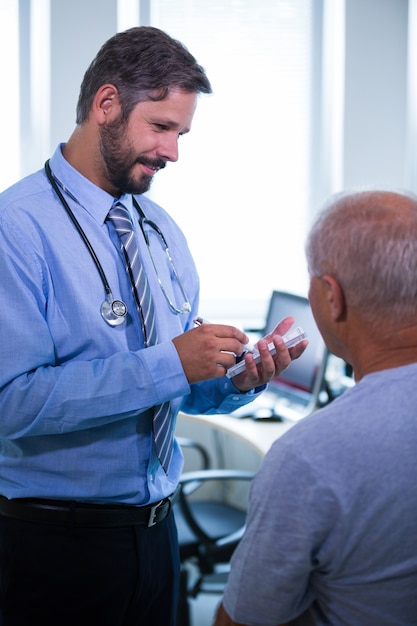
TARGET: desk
(232,442)
(259,434)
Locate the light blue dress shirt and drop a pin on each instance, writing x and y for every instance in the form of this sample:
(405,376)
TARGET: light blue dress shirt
(75,393)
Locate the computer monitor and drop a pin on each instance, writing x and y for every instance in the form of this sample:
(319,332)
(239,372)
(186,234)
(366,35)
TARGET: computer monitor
(298,387)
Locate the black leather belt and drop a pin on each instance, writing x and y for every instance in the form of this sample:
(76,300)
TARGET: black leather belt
(69,513)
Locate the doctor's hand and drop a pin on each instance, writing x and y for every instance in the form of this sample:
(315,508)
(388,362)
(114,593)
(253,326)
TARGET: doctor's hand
(209,350)
(257,374)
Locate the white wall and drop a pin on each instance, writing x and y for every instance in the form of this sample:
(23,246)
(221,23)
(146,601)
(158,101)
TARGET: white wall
(375,124)
(77,30)
(374,78)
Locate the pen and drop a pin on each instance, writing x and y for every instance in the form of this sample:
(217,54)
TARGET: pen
(198,321)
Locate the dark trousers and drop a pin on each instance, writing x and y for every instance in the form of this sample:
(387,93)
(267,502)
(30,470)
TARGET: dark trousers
(57,576)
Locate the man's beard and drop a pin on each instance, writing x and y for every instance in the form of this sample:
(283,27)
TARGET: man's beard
(119,160)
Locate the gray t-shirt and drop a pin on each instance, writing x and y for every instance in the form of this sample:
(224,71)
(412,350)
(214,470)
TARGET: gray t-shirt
(332,521)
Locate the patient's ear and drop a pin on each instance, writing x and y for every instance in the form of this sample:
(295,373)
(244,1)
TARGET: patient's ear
(335,297)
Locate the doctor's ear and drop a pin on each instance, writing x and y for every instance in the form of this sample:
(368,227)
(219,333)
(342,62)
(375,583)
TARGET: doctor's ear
(106,104)
(335,297)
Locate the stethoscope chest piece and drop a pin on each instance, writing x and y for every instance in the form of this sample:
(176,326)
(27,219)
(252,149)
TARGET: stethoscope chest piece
(113,311)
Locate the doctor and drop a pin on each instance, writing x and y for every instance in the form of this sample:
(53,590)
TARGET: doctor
(86,530)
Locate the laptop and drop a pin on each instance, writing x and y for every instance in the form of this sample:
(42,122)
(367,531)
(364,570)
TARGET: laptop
(295,393)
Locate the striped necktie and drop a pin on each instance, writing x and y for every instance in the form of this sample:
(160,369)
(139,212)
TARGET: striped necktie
(162,418)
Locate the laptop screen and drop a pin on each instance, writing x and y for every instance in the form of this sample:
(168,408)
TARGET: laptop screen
(306,373)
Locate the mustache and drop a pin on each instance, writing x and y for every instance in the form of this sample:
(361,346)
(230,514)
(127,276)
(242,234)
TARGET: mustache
(157,164)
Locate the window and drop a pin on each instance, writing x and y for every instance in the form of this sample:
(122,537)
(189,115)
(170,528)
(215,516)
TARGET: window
(9,110)
(241,187)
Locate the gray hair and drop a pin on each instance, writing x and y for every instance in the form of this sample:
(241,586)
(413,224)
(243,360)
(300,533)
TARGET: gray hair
(368,242)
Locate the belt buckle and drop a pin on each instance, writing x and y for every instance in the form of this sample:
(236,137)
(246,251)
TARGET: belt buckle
(153,512)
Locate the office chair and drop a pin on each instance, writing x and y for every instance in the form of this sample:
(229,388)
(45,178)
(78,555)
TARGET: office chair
(209,527)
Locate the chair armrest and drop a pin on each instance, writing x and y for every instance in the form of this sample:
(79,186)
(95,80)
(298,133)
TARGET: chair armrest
(217,474)
(189,482)
(185,442)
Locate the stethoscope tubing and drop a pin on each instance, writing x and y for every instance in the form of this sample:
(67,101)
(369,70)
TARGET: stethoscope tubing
(114,311)
(79,229)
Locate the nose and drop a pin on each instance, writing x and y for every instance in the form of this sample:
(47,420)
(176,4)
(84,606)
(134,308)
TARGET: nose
(168,150)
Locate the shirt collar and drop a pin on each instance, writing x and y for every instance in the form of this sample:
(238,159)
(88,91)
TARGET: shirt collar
(93,199)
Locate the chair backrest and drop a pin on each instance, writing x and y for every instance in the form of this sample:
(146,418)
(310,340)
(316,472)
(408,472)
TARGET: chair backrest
(194,453)
(209,528)
(216,525)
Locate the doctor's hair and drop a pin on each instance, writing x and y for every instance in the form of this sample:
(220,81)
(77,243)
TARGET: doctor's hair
(143,63)
(368,242)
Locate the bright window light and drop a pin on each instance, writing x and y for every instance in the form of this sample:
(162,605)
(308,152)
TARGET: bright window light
(40,68)
(240,190)
(9,111)
(127,14)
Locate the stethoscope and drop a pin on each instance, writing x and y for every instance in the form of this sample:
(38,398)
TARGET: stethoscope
(113,310)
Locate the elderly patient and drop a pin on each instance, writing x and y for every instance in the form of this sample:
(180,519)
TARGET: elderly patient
(332,524)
